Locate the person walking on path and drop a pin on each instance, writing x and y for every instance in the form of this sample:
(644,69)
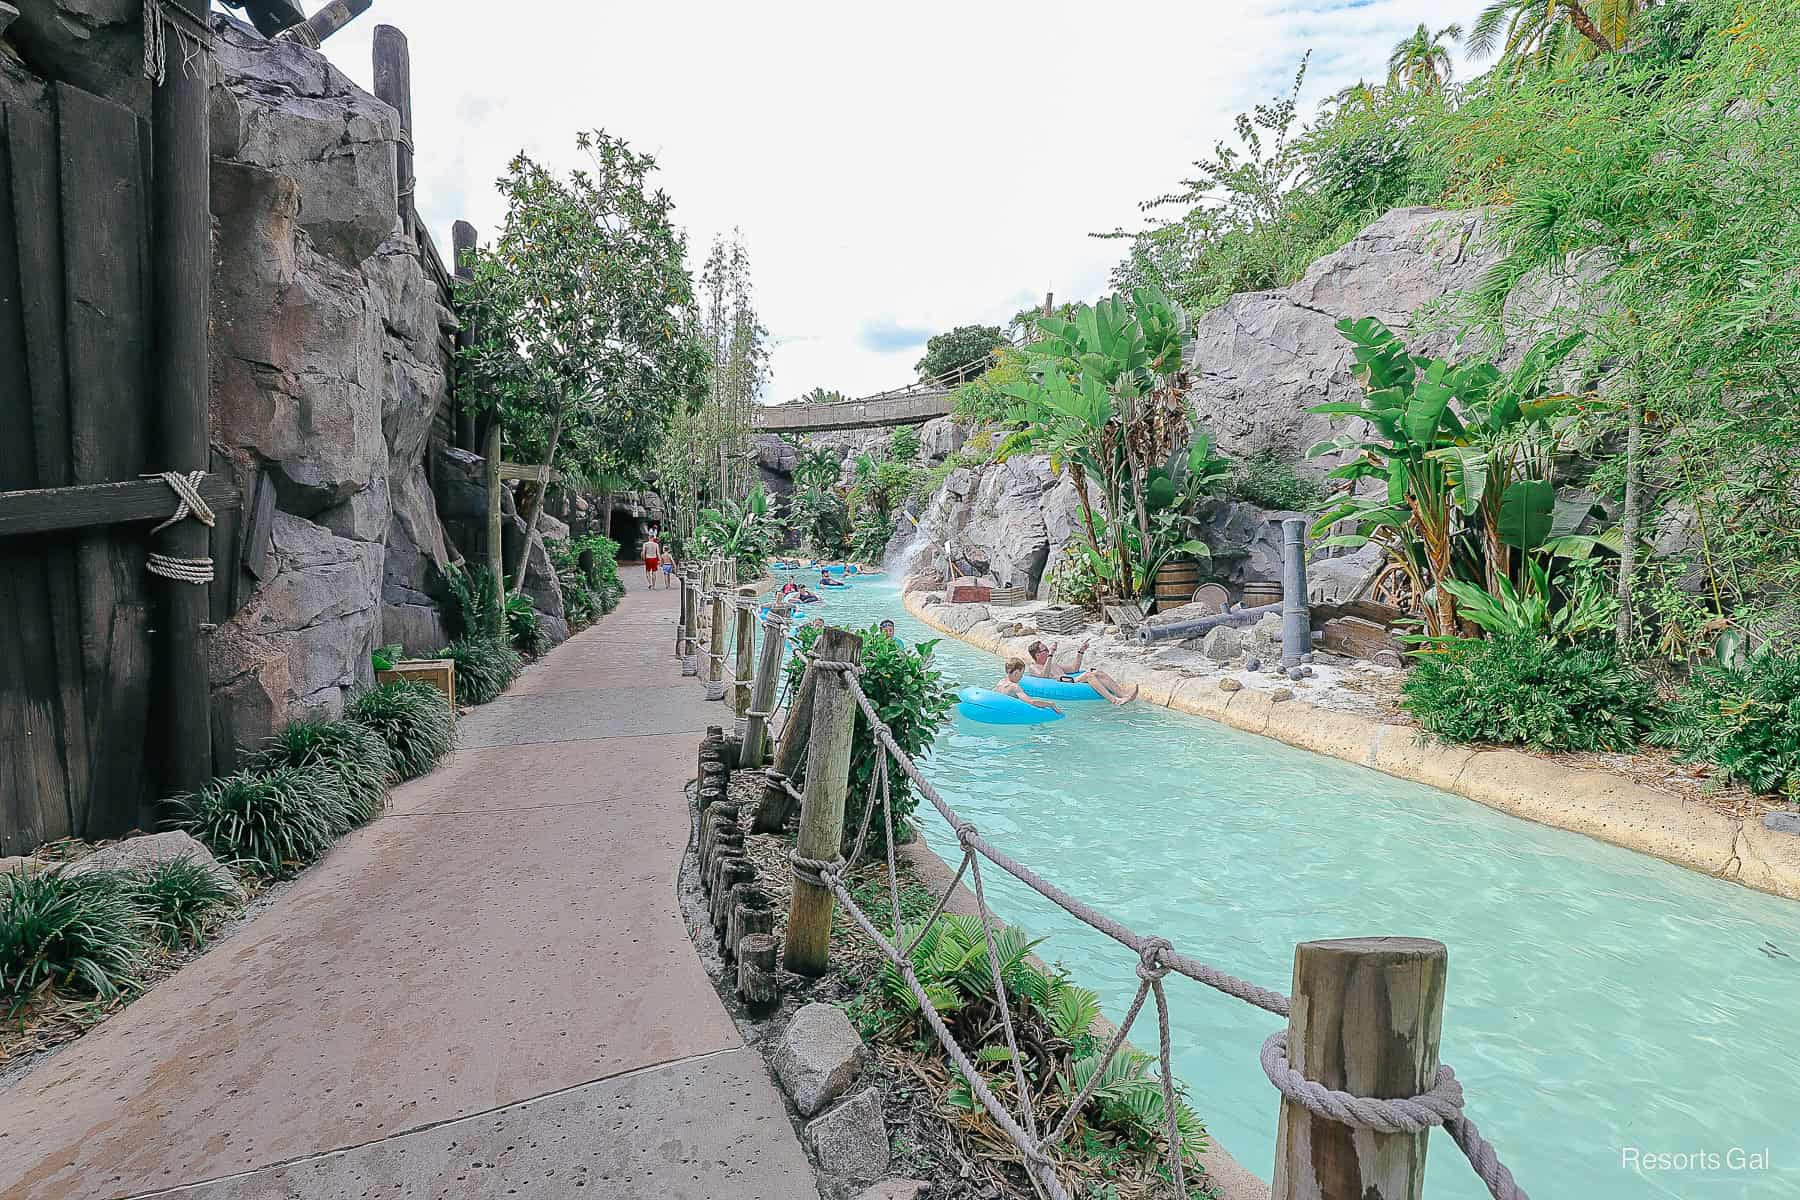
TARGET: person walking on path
(652,552)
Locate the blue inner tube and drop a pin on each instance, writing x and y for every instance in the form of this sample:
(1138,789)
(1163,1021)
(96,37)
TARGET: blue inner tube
(992,708)
(837,570)
(1057,689)
(798,615)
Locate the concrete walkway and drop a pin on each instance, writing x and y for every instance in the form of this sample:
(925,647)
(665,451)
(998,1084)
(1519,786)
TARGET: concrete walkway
(487,993)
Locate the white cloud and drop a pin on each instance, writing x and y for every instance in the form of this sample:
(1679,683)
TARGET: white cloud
(894,170)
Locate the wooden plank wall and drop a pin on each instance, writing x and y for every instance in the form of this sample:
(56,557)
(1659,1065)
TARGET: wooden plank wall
(75,668)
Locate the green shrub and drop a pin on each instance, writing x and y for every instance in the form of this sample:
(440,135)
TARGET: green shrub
(1530,691)
(413,718)
(1743,720)
(180,897)
(351,753)
(84,933)
(475,604)
(1267,480)
(913,701)
(271,822)
(523,629)
(603,577)
(484,667)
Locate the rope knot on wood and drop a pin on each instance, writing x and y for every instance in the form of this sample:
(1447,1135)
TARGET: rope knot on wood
(189,503)
(1407,1114)
(820,872)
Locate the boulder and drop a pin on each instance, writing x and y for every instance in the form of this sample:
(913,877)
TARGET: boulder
(1004,534)
(960,618)
(818,1058)
(850,1142)
(1262,359)
(97,45)
(412,570)
(1782,822)
(939,438)
(551,529)
(960,483)
(1346,575)
(1225,643)
(332,138)
(147,850)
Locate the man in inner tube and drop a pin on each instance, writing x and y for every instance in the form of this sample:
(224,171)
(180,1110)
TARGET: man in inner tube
(1043,665)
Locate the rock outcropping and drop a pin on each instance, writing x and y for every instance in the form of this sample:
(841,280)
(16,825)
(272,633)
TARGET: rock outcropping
(1261,359)
(327,370)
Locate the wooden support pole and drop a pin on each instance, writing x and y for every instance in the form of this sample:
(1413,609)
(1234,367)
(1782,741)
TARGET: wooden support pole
(744,651)
(822,814)
(462,252)
(393,84)
(183,283)
(1367,1013)
(322,24)
(496,547)
(777,806)
(715,645)
(762,692)
(690,621)
(758,985)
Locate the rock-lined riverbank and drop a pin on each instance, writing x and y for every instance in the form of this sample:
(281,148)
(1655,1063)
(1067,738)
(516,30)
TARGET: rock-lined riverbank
(1330,718)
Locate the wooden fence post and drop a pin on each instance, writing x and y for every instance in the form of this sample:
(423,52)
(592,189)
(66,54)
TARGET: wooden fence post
(183,281)
(496,542)
(715,645)
(790,750)
(762,693)
(822,815)
(393,84)
(1367,1013)
(462,256)
(690,621)
(744,648)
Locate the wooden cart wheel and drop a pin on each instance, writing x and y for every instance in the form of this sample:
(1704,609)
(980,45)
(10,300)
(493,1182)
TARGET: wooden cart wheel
(1393,587)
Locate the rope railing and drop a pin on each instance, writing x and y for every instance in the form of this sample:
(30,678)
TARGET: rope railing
(1441,1105)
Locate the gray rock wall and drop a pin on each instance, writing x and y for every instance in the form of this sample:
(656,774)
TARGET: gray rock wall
(327,370)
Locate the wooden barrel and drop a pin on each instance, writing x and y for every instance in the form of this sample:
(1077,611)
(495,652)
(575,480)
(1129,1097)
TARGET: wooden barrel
(1175,583)
(1260,593)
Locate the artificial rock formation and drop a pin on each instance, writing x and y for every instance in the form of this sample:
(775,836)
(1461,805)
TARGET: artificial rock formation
(328,366)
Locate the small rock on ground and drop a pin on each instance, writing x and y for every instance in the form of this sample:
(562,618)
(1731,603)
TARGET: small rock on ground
(1782,822)
(895,1189)
(150,849)
(818,1057)
(851,1141)
(1228,684)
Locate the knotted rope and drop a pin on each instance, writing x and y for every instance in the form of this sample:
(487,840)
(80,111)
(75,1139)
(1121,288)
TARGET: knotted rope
(193,35)
(189,503)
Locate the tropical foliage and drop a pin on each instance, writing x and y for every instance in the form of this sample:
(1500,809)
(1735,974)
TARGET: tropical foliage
(1744,719)
(1530,690)
(741,533)
(959,355)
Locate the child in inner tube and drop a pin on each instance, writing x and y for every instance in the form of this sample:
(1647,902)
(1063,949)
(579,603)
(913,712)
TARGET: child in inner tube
(1043,665)
(825,580)
(1009,686)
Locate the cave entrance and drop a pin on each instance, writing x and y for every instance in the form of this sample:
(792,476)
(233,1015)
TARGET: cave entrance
(629,531)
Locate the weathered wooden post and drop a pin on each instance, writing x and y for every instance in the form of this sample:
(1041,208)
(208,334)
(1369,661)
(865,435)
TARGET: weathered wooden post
(715,646)
(690,621)
(758,986)
(762,692)
(393,84)
(183,281)
(751,912)
(822,813)
(322,24)
(1367,1013)
(743,644)
(462,256)
(496,547)
(777,805)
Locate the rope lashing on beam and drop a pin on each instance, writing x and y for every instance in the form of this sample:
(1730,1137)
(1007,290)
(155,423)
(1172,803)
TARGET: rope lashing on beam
(189,503)
(194,36)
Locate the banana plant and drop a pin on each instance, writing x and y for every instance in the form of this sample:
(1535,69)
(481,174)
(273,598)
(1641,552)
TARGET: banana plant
(737,530)
(1170,493)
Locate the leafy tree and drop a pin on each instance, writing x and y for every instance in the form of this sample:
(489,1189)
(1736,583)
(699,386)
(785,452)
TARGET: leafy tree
(1421,60)
(820,395)
(959,355)
(582,315)
(1535,34)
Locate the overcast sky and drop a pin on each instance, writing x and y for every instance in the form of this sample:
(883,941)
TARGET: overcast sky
(895,170)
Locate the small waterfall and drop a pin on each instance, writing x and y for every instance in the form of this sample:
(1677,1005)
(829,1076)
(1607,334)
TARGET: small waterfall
(926,545)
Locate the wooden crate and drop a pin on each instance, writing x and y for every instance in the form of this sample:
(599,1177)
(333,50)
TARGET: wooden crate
(966,591)
(1008,595)
(1061,618)
(440,673)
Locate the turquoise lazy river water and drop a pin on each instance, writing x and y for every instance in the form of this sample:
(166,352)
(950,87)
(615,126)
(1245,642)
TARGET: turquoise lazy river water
(1600,1002)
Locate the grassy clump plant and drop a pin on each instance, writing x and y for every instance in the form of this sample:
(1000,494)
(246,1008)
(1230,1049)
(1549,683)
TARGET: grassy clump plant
(1744,720)
(523,629)
(180,897)
(413,718)
(484,667)
(84,934)
(272,822)
(1529,690)
(350,752)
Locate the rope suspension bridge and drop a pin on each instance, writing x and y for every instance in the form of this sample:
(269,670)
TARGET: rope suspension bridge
(1367,1011)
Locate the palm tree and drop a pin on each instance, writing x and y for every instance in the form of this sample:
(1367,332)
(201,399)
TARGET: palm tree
(1420,60)
(1531,34)
(1359,95)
